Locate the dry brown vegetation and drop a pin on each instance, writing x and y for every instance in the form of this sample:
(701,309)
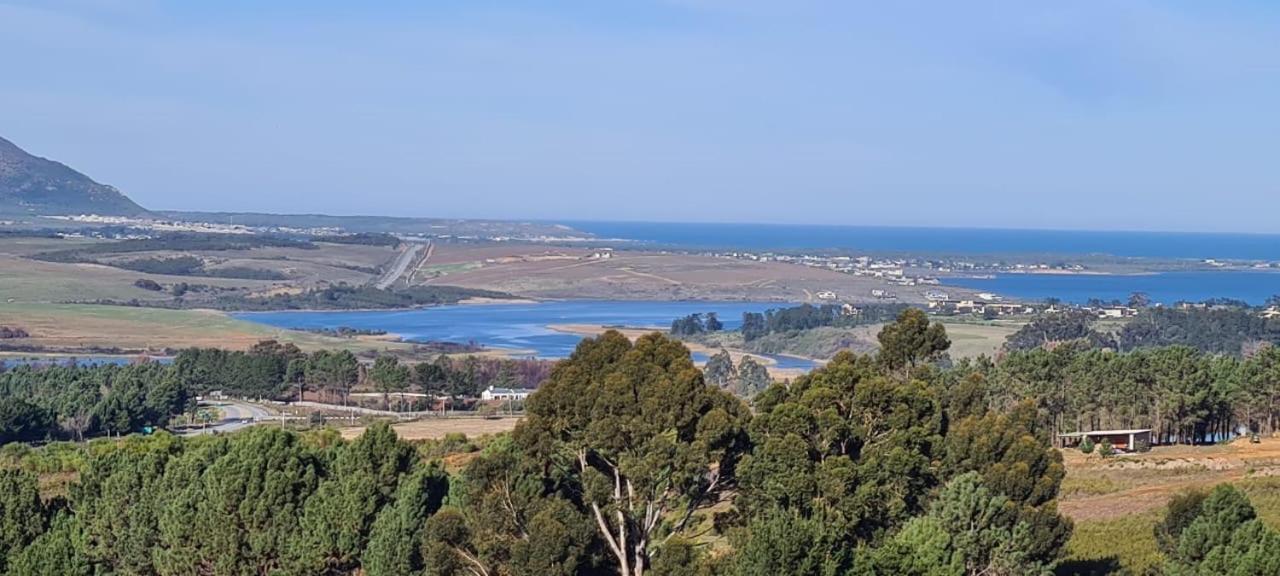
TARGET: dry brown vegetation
(540,271)
(1097,489)
(72,327)
(434,428)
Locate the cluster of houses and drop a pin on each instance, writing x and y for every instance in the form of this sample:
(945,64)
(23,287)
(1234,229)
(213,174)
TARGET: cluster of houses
(979,307)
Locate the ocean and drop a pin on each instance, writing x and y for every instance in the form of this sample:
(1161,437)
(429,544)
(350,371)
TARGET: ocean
(1163,245)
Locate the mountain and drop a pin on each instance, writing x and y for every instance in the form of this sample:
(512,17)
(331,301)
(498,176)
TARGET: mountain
(33,185)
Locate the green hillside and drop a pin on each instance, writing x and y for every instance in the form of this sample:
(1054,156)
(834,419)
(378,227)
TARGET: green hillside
(36,186)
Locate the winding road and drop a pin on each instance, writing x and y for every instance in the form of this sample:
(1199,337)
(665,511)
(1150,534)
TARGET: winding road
(235,415)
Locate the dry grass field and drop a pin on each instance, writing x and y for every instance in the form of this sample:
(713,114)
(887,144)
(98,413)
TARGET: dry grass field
(434,428)
(1122,498)
(23,280)
(1098,489)
(547,272)
(79,326)
(971,339)
(26,280)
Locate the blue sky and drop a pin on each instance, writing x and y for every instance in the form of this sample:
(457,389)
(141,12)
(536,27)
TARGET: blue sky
(1086,115)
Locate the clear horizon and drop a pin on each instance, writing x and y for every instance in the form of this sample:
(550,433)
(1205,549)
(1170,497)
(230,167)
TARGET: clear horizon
(1144,117)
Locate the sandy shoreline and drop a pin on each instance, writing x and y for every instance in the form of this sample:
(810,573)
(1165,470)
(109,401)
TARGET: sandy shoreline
(484,300)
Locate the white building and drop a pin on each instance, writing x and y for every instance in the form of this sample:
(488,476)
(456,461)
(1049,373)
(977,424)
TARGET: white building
(492,393)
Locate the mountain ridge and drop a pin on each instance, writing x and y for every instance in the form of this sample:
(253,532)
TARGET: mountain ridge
(32,185)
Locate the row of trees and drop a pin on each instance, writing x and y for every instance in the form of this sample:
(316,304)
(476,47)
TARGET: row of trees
(1217,329)
(78,401)
(1183,394)
(808,316)
(1225,329)
(696,323)
(263,502)
(279,371)
(627,463)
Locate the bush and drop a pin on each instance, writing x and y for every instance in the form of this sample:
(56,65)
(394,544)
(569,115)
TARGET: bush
(1105,450)
(147,284)
(1087,445)
(178,266)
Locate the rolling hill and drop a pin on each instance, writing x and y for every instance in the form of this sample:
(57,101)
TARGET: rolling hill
(31,185)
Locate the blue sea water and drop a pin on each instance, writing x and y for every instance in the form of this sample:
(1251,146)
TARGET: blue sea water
(519,325)
(1169,245)
(1167,288)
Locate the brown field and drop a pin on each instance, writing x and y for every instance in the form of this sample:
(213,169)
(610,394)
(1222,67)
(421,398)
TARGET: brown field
(23,280)
(26,280)
(68,327)
(973,339)
(433,428)
(546,272)
(1121,499)
(1097,489)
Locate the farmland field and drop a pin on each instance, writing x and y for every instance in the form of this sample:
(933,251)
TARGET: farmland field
(433,428)
(78,326)
(1122,498)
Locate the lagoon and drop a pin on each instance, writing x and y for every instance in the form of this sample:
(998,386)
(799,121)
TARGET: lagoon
(521,326)
(1167,288)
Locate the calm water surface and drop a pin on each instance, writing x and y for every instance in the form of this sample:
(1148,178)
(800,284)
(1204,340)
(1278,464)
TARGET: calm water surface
(1175,245)
(521,326)
(1168,288)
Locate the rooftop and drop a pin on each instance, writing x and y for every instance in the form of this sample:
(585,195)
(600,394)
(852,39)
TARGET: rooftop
(1104,433)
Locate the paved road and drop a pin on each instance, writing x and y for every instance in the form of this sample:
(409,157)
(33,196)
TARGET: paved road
(398,268)
(235,415)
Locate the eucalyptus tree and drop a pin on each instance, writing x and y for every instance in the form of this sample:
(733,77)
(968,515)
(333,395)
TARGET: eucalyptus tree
(648,441)
(911,341)
(846,450)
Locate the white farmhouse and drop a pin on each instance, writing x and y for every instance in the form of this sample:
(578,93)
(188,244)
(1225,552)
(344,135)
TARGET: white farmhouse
(492,393)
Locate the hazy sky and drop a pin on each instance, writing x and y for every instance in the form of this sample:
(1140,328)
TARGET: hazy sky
(1113,115)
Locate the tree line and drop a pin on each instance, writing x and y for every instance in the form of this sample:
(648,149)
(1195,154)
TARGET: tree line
(627,463)
(270,370)
(808,316)
(1183,394)
(38,403)
(52,402)
(696,323)
(1234,329)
